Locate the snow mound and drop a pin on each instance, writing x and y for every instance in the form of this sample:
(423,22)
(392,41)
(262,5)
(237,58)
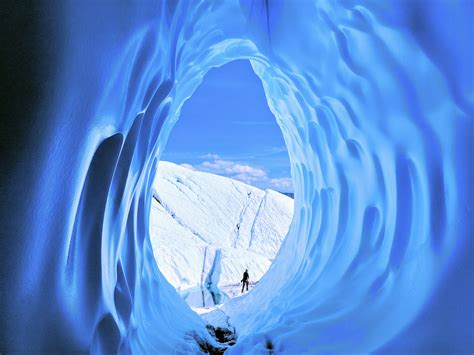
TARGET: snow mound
(206,230)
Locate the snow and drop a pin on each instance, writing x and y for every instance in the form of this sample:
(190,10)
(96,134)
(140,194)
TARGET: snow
(207,229)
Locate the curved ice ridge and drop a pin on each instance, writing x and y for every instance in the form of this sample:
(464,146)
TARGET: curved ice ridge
(375,103)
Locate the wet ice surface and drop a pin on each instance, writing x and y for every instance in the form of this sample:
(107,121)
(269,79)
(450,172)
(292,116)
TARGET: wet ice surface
(217,321)
(215,315)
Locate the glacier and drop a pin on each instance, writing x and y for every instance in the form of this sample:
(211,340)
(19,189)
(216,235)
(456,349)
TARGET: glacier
(205,230)
(375,103)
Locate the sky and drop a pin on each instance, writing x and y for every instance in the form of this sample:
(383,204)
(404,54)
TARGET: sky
(226,128)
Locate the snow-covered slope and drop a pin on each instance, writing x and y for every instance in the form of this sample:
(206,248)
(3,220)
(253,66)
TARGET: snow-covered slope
(207,229)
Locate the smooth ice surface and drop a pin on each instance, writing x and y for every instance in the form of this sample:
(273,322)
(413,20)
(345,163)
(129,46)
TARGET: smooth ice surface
(375,103)
(205,230)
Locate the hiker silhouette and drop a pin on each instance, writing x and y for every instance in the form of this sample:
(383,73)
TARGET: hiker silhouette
(245,280)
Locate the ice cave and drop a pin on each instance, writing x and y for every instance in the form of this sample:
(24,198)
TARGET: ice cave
(375,104)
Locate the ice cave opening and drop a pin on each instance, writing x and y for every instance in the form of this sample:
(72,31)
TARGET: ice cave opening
(225,204)
(374,101)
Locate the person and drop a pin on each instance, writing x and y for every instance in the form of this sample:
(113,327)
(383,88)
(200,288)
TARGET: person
(245,280)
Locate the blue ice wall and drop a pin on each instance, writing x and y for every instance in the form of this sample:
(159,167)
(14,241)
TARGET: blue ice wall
(375,102)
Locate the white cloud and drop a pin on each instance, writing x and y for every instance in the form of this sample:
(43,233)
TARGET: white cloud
(247,169)
(243,172)
(231,168)
(187,166)
(284,184)
(248,179)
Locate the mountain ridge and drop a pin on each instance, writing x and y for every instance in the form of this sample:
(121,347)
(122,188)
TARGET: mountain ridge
(207,229)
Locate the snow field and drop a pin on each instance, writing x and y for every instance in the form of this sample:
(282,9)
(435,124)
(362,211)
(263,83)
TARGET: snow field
(206,230)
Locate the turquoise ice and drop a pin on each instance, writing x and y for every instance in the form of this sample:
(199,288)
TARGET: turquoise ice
(375,103)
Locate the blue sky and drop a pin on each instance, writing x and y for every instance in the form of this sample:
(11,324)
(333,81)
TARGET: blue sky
(227,128)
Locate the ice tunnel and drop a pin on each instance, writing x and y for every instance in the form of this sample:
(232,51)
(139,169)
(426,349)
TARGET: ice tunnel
(375,103)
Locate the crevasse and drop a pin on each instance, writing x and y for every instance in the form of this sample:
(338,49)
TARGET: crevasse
(375,103)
